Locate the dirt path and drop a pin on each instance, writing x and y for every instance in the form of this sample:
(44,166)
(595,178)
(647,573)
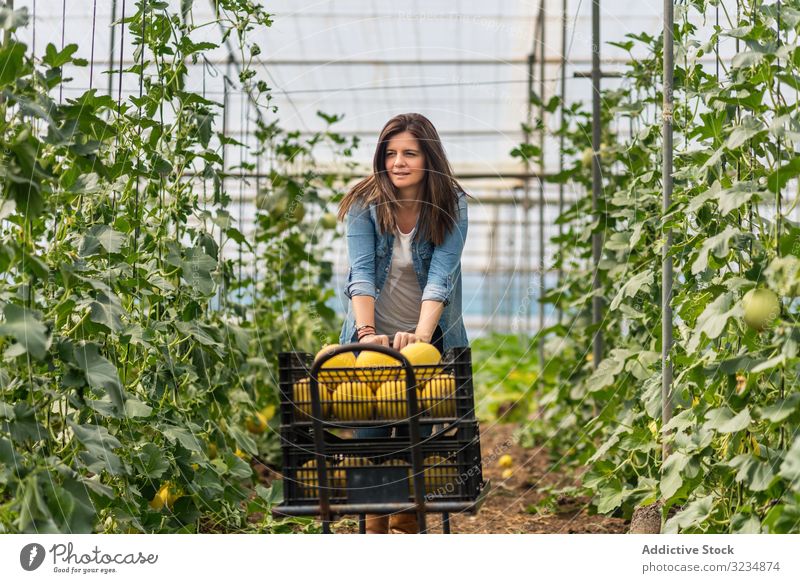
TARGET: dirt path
(504,510)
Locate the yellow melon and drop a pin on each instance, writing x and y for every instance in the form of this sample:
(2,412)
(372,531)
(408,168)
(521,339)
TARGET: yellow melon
(391,400)
(438,396)
(353,401)
(420,354)
(368,365)
(437,475)
(308,480)
(343,360)
(302,397)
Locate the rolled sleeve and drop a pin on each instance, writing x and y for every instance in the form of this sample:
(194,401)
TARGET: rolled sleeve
(446,259)
(361,252)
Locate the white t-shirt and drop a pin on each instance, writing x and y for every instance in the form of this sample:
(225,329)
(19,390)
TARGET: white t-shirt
(398,305)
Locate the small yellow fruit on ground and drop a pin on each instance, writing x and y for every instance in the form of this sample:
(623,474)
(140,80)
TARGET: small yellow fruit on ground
(368,363)
(302,397)
(507,473)
(256,423)
(343,360)
(353,401)
(438,396)
(391,400)
(505,461)
(420,354)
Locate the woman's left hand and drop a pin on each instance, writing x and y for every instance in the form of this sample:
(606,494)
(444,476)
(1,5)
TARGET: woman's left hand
(403,339)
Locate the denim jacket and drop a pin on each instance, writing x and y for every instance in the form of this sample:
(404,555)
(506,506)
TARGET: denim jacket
(438,269)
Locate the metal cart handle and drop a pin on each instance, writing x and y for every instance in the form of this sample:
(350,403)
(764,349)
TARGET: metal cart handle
(414,433)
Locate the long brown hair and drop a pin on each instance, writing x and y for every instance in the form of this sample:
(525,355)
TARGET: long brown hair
(439,189)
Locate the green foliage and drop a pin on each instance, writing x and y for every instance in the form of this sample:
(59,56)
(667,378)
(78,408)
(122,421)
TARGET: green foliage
(733,435)
(136,335)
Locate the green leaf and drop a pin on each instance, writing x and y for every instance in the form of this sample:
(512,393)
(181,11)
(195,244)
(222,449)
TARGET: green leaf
(8,456)
(272,495)
(748,129)
(181,435)
(135,408)
(107,310)
(639,282)
(714,319)
(94,436)
(99,444)
(197,268)
(11,59)
(22,325)
(671,478)
(718,244)
(243,440)
(747,59)
(22,424)
(110,239)
(725,421)
(732,198)
(237,467)
(779,411)
(605,374)
(150,462)
(790,468)
(694,513)
(610,496)
(753,473)
(100,373)
(781,176)
(745,524)
(55,58)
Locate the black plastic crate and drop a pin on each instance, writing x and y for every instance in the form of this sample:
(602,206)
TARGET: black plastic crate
(445,392)
(440,472)
(365,472)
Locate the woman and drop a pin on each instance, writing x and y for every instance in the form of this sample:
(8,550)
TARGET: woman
(406,227)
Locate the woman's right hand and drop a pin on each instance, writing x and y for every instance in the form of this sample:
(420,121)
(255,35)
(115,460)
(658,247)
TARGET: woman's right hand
(382,339)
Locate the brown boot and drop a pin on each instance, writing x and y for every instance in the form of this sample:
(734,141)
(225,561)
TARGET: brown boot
(403,523)
(377,524)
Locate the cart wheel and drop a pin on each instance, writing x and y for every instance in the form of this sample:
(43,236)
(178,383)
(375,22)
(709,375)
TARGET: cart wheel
(445,523)
(362,524)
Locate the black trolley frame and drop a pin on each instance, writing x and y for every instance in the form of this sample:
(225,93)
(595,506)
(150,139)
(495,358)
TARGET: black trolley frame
(375,489)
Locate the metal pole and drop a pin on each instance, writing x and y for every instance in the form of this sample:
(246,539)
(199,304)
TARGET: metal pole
(597,243)
(111,48)
(561,142)
(541,57)
(7,35)
(666,259)
(526,203)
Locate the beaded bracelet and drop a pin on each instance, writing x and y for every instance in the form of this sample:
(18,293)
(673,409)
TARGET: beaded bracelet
(365,330)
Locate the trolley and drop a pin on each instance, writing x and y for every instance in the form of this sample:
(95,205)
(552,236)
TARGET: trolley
(431,465)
